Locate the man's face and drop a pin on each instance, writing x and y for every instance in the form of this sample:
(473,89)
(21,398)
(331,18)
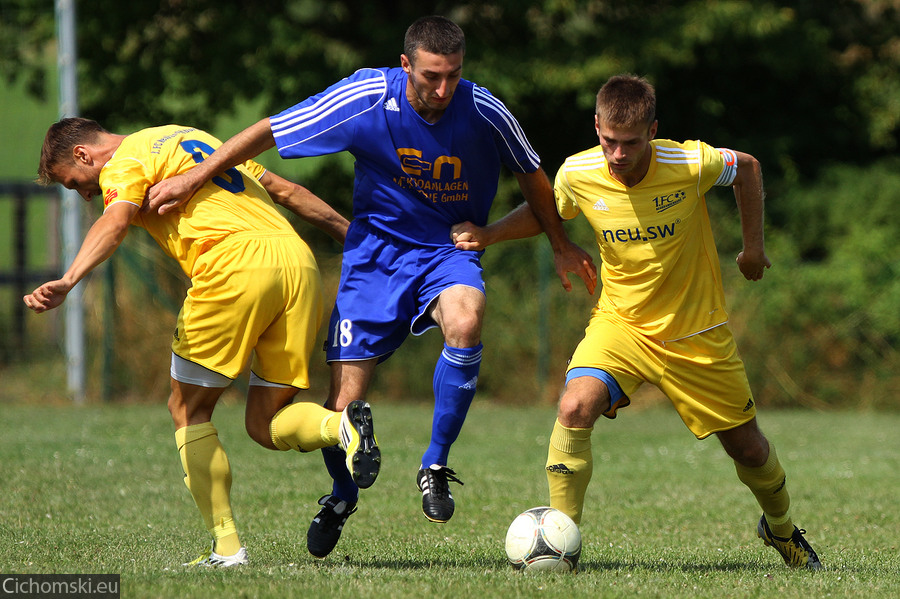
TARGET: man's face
(83,179)
(626,148)
(432,79)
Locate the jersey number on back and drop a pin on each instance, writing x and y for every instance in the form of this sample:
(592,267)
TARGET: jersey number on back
(199,151)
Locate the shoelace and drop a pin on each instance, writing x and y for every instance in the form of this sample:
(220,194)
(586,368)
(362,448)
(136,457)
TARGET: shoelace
(438,481)
(204,558)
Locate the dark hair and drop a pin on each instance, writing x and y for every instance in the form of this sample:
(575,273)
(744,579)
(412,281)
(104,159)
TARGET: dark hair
(59,142)
(626,101)
(434,34)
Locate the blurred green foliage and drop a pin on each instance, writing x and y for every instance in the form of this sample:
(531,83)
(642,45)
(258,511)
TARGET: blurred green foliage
(812,89)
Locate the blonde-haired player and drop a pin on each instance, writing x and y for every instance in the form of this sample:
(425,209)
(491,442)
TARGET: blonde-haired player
(255,298)
(661,316)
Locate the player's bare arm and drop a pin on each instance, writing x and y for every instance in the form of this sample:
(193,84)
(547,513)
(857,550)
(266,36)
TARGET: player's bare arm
(567,256)
(175,191)
(750,197)
(306,205)
(517,224)
(101,241)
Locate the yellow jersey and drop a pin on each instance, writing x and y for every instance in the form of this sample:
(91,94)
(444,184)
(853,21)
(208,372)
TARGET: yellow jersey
(660,270)
(233,202)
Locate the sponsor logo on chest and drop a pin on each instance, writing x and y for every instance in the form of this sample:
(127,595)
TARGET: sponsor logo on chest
(668,200)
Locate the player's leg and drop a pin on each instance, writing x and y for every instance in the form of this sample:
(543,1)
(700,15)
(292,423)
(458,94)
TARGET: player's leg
(349,383)
(458,311)
(276,423)
(758,467)
(207,473)
(707,383)
(369,321)
(347,392)
(570,463)
(450,295)
(237,293)
(591,391)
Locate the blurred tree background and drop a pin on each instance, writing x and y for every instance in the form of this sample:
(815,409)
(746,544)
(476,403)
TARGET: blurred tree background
(810,88)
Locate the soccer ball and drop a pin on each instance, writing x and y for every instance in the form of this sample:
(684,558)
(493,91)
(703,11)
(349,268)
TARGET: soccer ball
(543,538)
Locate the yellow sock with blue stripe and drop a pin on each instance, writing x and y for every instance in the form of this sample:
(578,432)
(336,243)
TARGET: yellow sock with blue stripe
(768,484)
(305,426)
(207,475)
(570,465)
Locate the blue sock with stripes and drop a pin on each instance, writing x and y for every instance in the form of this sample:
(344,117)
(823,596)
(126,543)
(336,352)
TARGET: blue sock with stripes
(455,377)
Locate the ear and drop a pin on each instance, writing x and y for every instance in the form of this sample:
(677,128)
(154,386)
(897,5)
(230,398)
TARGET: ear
(82,155)
(404,63)
(652,133)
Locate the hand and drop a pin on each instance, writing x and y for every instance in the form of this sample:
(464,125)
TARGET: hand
(575,260)
(469,236)
(753,264)
(47,296)
(169,194)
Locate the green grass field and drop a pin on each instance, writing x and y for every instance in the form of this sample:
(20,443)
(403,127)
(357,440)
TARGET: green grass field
(98,489)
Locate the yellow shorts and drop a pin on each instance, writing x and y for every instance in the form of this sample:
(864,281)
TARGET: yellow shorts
(258,296)
(702,375)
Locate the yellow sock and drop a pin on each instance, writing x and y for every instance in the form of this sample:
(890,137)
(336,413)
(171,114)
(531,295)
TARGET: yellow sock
(305,426)
(570,464)
(207,476)
(768,485)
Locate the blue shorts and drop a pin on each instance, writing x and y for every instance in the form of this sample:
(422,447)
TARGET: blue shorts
(387,287)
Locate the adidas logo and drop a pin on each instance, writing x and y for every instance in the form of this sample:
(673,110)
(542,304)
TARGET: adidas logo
(600,205)
(391,105)
(749,405)
(470,384)
(780,487)
(559,469)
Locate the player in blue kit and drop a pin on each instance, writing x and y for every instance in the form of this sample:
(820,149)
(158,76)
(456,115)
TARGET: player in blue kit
(429,148)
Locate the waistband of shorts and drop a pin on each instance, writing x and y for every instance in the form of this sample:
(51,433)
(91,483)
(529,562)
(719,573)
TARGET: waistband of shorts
(365,227)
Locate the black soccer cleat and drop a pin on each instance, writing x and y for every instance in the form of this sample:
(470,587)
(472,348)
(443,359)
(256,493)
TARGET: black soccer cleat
(357,439)
(325,529)
(437,502)
(796,551)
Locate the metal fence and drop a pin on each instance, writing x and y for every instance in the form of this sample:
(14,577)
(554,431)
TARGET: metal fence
(17,272)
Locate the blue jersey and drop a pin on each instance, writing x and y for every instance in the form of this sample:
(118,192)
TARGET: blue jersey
(414,179)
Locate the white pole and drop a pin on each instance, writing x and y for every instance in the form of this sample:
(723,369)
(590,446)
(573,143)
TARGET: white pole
(67,60)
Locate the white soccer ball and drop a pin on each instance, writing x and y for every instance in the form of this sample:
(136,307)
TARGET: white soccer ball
(543,538)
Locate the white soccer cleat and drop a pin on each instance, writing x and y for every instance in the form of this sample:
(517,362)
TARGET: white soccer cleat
(211,559)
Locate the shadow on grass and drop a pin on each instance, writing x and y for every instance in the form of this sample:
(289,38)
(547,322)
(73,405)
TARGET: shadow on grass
(584,567)
(664,566)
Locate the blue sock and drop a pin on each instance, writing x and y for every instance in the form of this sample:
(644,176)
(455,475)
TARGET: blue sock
(336,462)
(455,376)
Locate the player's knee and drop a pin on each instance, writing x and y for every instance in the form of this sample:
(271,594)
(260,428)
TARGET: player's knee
(260,431)
(748,451)
(461,328)
(748,456)
(464,332)
(578,411)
